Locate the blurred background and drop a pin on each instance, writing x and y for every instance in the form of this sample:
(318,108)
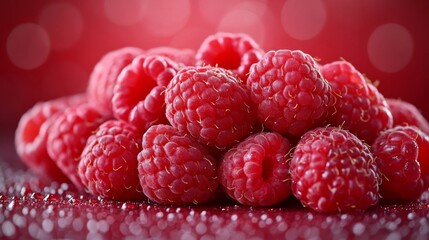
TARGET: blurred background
(49,48)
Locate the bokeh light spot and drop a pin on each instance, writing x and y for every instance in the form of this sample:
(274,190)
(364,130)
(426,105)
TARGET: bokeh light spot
(303,19)
(64,24)
(28,46)
(166,17)
(212,10)
(125,13)
(243,21)
(390,47)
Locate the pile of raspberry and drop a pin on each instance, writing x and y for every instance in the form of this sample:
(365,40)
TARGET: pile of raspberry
(182,127)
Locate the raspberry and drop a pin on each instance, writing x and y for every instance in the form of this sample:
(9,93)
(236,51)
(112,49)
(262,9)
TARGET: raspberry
(405,113)
(211,105)
(68,135)
(333,171)
(236,52)
(402,157)
(359,107)
(184,56)
(138,94)
(108,165)
(256,171)
(32,132)
(289,91)
(174,168)
(105,74)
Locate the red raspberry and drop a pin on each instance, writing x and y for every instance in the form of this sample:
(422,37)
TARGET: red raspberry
(184,56)
(236,52)
(402,157)
(290,92)
(108,165)
(359,107)
(68,135)
(32,132)
(333,171)
(405,113)
(105,74)
(138,94)
(256,171)
(174,168)
(211,105)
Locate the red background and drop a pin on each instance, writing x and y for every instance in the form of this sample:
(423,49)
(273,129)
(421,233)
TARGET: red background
(386,40)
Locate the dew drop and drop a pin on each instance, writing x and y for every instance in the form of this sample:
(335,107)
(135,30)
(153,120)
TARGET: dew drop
(135,229)
(47,225)
(358,229)
(37,196)
(77,224)
(103,226)
(92,225)
(128,206)
(411,215)
(11,205)
(8,229)
(201,228)
(170,217)
(159,214)
(19,220)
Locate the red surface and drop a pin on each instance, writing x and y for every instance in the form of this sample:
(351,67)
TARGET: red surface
(48,49)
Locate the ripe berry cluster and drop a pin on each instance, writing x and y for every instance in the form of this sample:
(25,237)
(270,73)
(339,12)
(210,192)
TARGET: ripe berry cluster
(181,127)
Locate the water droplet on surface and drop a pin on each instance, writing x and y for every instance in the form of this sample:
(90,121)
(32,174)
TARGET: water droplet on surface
(8,228)
(358,229)
(411,215)
(47,225)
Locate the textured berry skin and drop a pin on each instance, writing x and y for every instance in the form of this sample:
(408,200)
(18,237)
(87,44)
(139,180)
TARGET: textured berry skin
(402,157)
(184,56)
(256,171)
(68,135)
(211,105)
(334,171)
(105,74)
(32,133)
(233,51)
(406,114)
(174,168)
(108,165)
(359,107)
(138,94)
(289,91)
